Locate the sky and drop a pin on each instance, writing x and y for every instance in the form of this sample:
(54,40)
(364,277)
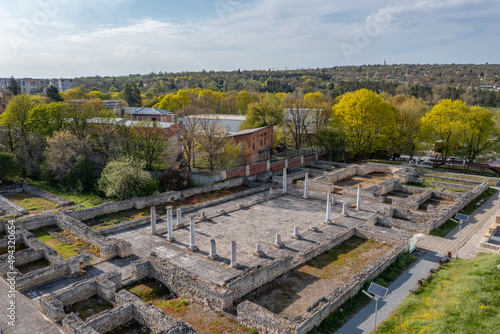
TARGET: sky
(73,38)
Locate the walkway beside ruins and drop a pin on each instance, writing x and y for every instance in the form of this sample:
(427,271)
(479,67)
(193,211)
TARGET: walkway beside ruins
(29,318)
(477,221)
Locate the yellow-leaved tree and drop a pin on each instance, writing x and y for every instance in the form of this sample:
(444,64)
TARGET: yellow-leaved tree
(366,120)
(442,128)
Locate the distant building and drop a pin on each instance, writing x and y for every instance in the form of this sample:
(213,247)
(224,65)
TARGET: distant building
(259,141)
(152,114)
(62,84)
(33,86)
(232,122)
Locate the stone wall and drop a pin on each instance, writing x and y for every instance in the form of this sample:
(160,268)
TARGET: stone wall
(151,316)
(36,222)
(185,210)
(183,283)
(109,248)
(9,208)
(142,202)
(324,246)
(104,285)
(27,188)
(265,321)
(256,316)
(260,276)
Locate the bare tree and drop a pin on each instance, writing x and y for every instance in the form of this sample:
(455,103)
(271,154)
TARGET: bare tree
(188,122)
(297,118)
(212,137)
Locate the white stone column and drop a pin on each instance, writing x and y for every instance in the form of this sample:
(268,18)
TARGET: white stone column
(328,219)
(358,199)
(344,209)
(258,251)
(296,233)
(285,179)
(192,239)
(153,219)
(271,192)
(179,216)
(247,170)
(268,165)
(278,242)
(213,252)
(170,224)
(306,186)
(234,263)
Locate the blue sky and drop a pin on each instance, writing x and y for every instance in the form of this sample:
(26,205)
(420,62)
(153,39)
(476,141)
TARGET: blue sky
(71,38)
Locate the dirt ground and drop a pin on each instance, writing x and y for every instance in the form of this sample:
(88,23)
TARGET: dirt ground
(365,181)
(291,294)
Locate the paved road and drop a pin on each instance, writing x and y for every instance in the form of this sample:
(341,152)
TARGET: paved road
(363,321)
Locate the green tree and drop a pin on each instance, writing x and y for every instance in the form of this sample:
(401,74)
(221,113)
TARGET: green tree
(81,177)
(150,143)
(14,87)
(53,94)
(367,121)
(268,111)
(442,127)
(409,112)
(132,95)
(479,133)
(124,178)
(47,118)
(9,168)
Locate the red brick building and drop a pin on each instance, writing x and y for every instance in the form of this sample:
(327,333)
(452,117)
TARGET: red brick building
(259,141)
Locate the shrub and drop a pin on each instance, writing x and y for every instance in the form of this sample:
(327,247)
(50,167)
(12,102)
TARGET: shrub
(123,178)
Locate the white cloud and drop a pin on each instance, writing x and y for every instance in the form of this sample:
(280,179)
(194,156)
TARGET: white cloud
(250,34)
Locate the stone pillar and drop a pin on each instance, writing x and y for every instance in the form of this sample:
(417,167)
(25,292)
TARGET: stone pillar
(306,186)
(153,220)
(213,253)
(328,219)
(358,199)
(170,224)
(179,216)
(271,192)
(344,209)
(223,175)
(301,159)
(268,165)
(247,170)
(233,264)
(278,242)
(192,239)
(286,163)
(258,251)
(296,233)
(285,179)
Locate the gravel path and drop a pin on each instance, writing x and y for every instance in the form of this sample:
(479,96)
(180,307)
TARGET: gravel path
(363,321)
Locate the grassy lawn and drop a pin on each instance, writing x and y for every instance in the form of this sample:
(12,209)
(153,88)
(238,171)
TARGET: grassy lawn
(87,200)
(65,250)
(203,320)
(33,204)
(463,296)
(447,227)
(335,320)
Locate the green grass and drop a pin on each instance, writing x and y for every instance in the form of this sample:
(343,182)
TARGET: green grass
(491,180)
(463,296)
(86,200)
(447,227)
(335,320)
(65,250)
